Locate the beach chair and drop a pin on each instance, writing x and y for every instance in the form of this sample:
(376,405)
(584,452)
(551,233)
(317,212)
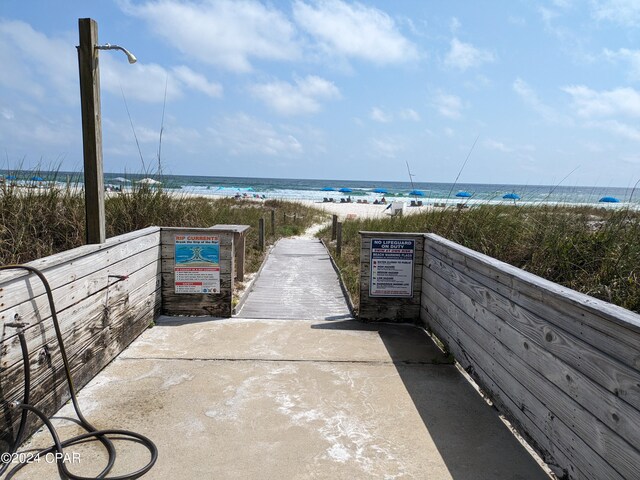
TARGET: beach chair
(413,203)
(419,203)
(325,200)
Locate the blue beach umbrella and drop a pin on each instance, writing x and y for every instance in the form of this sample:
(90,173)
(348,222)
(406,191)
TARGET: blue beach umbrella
(37,179)
(346,190)
(463,194)
(11,177)
(380,190)
(511,196)
(417,193)
(609,200)
(328,189)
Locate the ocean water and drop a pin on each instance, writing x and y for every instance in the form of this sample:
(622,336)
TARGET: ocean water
(307,189)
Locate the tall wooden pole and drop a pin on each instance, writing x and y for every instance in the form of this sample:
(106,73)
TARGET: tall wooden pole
(91,130)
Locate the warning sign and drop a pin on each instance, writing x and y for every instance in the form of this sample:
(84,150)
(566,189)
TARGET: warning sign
(392,268)
(197,264)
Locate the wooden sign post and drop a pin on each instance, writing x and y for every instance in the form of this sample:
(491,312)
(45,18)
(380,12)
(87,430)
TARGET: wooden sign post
(91,130)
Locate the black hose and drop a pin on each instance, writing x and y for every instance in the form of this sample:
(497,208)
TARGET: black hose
(25,398)
(92,432)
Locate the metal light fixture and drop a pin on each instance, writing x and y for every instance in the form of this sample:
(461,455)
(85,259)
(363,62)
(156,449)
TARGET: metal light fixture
(107,46)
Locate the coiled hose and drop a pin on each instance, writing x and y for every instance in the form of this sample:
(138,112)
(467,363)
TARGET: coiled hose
(92,432)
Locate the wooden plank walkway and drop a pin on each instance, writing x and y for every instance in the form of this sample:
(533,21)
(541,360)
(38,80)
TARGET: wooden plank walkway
(297,282)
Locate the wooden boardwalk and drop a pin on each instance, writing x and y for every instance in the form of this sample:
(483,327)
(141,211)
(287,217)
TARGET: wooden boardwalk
(297,282)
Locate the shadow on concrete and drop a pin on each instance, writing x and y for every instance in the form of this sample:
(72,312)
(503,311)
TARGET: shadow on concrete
(468,433)
(165,321)
(346,316)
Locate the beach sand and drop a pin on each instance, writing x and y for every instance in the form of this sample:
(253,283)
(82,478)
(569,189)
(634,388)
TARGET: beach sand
(344,211)
(362,210)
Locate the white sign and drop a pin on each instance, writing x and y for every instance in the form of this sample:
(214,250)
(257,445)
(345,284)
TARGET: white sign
(392,267)
(197,264)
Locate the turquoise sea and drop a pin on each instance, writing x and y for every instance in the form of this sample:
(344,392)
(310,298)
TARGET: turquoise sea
(306,189)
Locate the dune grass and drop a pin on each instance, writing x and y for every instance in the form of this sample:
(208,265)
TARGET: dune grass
(593,250)
(35,222)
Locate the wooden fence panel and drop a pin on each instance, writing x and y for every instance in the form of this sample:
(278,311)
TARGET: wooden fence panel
(564,367)
(99,316)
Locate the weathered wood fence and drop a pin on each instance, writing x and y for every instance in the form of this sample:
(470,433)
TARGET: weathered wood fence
(99,316)
(99,310)
(562,366)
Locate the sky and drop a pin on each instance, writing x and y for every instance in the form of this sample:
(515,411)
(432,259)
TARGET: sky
(532,93)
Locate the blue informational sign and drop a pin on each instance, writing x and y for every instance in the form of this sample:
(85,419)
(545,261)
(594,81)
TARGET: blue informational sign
(392,267)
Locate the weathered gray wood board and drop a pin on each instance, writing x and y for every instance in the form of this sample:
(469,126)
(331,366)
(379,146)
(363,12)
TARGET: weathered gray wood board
(297,282)
(99,316)
(239,234)
(389,309)
(564,367)
(217,305)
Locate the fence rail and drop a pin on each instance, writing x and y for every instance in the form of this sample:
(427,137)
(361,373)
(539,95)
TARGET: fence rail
(105,295)
(562,366)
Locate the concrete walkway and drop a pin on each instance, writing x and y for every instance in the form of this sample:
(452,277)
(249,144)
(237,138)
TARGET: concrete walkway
(297,282)
(262,398)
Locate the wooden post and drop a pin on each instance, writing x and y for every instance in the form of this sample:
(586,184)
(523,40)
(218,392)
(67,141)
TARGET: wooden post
(261,242)
(295,217)
(273,223)
(339,239)
(334,222)
(91,130)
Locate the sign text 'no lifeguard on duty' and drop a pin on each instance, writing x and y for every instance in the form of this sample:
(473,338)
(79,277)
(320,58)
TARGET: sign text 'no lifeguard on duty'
(392,267)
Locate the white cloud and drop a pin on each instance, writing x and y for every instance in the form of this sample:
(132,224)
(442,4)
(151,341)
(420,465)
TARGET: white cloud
(386,147)
(633,159)
(407,114)
(623,12)
(630,56)
(603,110)
(27,127)
(146,82)
(242,134)
(354,30)
(590,103)
(517,21)
(565,4)
(36,64)
(496,145)
(410,114)
(448,105)
(464,55)
(225,33)
(302,97)
(7,113)
(530,98)
(454,25)
(499,146)
(618,128)
(378,115)
(197,81)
